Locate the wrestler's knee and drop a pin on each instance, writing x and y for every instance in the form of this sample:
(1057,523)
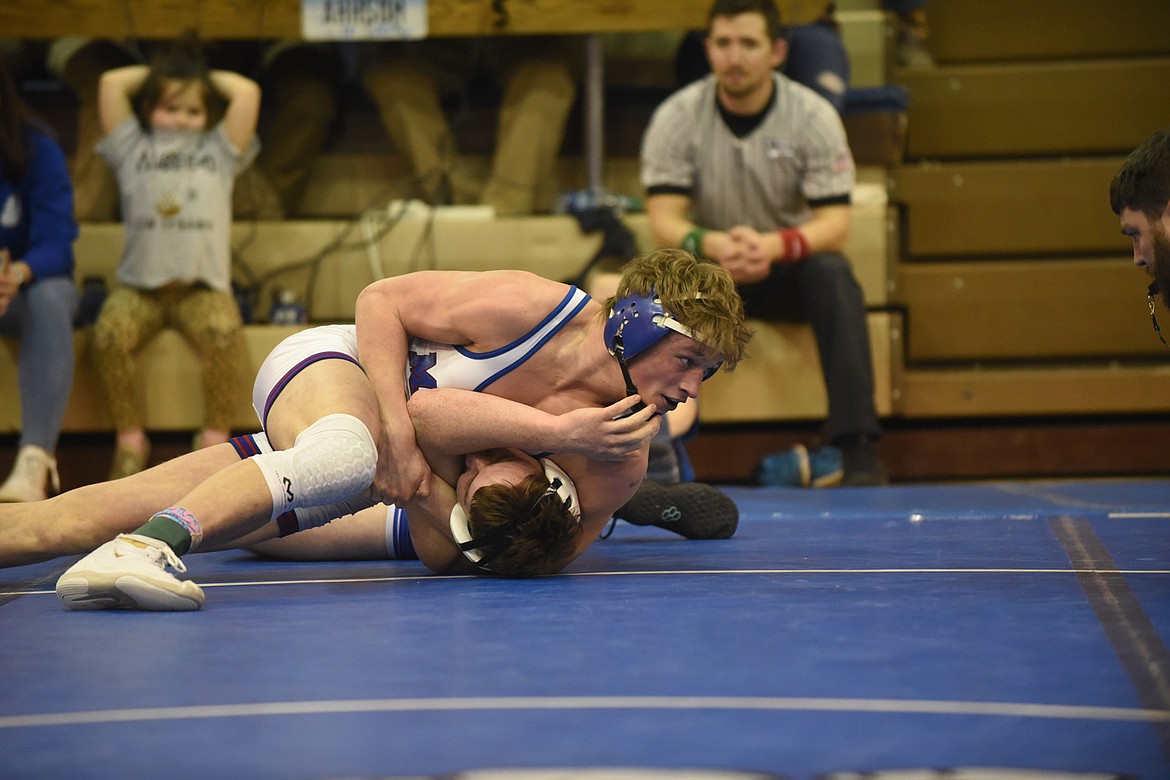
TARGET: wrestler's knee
(331,460)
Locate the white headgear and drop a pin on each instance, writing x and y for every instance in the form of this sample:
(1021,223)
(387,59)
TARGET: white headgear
(473,549)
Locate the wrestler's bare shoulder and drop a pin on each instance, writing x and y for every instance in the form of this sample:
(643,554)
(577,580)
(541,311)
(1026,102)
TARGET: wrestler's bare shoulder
(519,288)
(516,301)
(604,486)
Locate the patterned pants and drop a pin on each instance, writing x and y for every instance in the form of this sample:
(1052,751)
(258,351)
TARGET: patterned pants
(208,319)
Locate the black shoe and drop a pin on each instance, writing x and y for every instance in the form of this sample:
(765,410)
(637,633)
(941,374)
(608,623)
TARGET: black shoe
(690,509)
(861,462)
(662,465)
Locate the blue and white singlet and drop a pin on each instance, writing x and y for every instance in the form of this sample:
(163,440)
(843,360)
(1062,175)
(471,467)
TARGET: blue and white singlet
(445,365)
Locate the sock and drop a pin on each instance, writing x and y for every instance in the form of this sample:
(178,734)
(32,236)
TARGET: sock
(175,526)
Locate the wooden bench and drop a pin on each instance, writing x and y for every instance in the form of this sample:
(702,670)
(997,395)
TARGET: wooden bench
(169,380)
(341,261)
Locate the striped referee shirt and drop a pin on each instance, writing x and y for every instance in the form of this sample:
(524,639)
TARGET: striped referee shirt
(796,157)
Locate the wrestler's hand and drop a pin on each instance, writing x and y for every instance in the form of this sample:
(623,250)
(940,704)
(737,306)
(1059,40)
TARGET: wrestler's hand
(604,434)
(402,473)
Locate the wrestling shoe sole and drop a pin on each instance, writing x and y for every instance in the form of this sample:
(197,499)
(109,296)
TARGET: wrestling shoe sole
(94,590)
(690,509)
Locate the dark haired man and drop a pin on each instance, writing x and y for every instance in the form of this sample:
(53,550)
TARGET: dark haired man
(1140,195)
(754,171)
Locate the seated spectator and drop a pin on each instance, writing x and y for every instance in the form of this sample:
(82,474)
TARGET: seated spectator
(911,30)
(37,293)
(816,55)
(176,161)
(408,81)
(300,84)
(752,170)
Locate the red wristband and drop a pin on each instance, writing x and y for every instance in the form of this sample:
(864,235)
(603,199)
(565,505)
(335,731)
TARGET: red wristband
(793,243)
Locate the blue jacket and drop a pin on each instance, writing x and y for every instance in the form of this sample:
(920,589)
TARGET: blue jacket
(36,216)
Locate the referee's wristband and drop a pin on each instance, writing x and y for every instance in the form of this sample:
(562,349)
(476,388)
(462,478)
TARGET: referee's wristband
(793,245)
(693,242)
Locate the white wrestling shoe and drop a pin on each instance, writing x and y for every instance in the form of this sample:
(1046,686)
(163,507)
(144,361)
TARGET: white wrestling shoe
(129,573)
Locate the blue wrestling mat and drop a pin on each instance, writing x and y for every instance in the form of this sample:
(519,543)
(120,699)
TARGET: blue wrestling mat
(960,631)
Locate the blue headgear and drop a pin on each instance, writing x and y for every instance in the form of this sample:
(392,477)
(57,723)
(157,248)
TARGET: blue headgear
(638,323)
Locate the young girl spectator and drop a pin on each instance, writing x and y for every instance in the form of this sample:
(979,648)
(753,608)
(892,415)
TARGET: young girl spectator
(177,135)
(37,293)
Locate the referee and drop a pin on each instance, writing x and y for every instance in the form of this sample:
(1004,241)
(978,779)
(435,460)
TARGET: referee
(752,170)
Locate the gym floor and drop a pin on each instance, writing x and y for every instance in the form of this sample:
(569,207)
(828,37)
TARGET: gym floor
(964,630)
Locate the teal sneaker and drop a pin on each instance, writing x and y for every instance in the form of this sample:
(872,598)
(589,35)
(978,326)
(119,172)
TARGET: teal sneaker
(799,467)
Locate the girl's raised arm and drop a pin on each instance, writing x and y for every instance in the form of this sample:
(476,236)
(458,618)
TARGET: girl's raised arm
(243,110)
(116,90)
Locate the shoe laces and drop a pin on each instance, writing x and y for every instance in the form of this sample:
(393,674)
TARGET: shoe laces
(156,549)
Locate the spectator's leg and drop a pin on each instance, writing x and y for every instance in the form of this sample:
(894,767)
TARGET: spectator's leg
(210,321)
(408,101)
(301,84)
(822,291)
(538,97)
(911,32)
(128,319)
(836,310)
(42,317)
(46,360)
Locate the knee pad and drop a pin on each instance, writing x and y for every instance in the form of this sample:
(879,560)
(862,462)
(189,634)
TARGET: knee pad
(331,460)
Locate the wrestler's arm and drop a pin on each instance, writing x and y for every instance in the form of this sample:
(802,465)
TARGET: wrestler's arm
(451,307)
(363,536)
(430,531)
(382,340)
(603,487)
(458,422)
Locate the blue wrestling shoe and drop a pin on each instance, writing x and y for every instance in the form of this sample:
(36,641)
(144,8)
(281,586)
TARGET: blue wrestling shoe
(798,467)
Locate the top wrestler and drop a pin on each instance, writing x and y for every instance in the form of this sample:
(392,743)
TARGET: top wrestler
(318,414)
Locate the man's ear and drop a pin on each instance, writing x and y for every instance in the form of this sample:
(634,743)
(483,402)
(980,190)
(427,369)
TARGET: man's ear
(779,52)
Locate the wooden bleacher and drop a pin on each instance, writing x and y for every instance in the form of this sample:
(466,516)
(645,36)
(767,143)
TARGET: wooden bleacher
(282,18)
(1012,265)
(552,246)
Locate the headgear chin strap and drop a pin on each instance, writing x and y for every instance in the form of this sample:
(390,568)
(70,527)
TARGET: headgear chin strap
(1153,290)
(474,549)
